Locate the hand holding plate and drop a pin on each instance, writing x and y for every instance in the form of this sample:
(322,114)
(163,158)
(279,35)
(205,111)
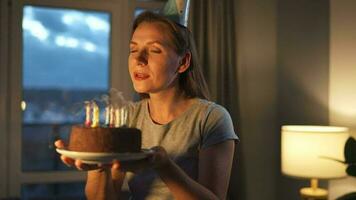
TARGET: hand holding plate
(156,158)
(78,163)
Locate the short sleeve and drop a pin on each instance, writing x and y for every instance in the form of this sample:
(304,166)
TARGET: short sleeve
(218,126)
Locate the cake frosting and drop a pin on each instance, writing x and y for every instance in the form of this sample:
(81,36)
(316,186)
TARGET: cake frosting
(104,139)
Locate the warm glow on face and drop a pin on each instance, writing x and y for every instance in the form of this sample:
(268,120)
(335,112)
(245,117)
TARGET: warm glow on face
(153,63)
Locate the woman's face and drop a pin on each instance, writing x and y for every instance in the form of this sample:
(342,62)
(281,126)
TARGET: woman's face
(153,63)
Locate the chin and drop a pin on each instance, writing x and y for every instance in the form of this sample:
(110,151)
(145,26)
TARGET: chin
(141,89)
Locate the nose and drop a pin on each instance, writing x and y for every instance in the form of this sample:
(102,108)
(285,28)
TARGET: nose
(142,57)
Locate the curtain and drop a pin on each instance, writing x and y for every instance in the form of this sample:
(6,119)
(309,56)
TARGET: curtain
(212,23)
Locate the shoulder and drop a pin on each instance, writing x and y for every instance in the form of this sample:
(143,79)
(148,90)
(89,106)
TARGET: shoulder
(213,110)
(213,116)
(217,124)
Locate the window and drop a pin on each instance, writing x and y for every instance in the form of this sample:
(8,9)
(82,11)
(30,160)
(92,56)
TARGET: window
(54,55)
(65,62)
(61,53)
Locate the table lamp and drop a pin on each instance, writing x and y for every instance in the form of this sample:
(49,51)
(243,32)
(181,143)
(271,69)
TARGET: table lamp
(312,152)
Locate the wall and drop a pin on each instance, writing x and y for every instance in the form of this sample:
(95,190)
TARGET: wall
(343,77)
(256,43)
(303,72)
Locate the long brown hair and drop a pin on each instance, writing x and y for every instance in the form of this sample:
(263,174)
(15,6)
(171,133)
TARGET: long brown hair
(192,81)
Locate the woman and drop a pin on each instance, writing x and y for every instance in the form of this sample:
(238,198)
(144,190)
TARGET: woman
(192,138)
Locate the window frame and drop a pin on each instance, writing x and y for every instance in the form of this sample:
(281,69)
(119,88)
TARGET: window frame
(120,20)
(3,97)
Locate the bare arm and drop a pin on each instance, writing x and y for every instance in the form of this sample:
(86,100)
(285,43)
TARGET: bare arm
(99,185)
(215,165)
(214,173)
(104,184)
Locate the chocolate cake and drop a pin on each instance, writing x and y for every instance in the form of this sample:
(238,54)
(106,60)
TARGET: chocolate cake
(100,139)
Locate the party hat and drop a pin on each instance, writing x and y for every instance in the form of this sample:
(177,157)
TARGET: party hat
(177,10)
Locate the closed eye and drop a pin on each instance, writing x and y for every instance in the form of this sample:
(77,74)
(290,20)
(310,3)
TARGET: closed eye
(133,50)
(155,50)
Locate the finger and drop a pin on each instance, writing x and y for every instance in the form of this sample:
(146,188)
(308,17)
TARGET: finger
(84,167)
(159,157)
(79,164)
(156,154)
(158,150)
(59,144)
(105,165)
(116,165)
(68,161)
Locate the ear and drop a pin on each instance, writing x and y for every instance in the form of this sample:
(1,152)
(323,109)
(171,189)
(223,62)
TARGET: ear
(185,62)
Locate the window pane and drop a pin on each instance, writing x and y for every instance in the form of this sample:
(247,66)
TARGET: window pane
(66,56)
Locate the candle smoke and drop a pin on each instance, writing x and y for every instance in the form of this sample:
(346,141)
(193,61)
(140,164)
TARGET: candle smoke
(112,108)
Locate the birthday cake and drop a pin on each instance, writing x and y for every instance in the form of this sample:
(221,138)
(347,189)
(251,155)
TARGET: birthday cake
(113,136)
(104,139)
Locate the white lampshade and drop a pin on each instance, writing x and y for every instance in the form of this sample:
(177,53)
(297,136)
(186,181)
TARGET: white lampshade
(306,149)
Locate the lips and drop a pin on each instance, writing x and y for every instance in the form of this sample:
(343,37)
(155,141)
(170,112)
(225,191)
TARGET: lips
(140,76)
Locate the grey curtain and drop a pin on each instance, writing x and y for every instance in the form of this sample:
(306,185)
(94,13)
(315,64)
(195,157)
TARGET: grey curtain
(214,28)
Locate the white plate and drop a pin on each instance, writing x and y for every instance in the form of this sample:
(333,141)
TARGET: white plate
(95,158)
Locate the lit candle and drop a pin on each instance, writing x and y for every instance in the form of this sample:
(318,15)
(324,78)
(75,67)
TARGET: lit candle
(95,115)
(117,117)
(87,114)
(122,117)
(107,113)
(112,117)
(125,117)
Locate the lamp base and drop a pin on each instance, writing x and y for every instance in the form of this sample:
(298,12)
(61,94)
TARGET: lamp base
(314,193)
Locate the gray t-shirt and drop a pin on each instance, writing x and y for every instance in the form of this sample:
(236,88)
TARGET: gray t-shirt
(202,125)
